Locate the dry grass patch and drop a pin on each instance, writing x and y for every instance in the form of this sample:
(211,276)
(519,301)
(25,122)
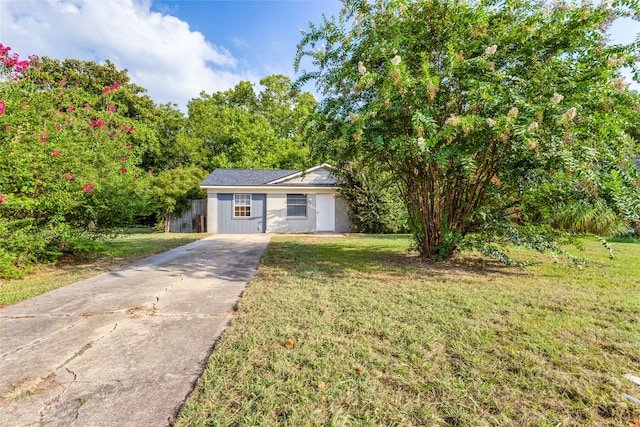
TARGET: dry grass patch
(355,331)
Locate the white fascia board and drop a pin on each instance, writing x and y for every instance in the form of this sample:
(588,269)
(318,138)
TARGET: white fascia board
(274,189)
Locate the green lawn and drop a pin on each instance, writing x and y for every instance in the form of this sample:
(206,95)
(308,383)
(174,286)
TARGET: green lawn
(355,331)
(128,246)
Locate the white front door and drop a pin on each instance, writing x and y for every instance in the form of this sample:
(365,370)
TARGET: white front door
(325,212)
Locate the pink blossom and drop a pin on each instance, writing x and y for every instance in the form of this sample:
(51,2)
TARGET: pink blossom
(68,175)
(87,105)
(3,198)
(12,62)
(7,128)
(495,179)
(55,153)
(122,159)
(58,127)
(128,147)
(2,105)
(70,109)
(96,123)
(43,138)
(106,90)
(21,66)
(135,176)
(151,170)
(123,170)
(115,86)
(87,188)
(111,108)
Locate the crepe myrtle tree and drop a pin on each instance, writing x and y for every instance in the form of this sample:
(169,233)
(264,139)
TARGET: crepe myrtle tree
(69,161)
(474,105)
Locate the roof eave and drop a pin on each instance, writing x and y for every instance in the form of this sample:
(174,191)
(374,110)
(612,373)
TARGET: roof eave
(268,188)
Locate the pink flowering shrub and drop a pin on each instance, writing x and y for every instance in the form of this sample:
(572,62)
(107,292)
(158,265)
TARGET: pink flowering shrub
(68,157)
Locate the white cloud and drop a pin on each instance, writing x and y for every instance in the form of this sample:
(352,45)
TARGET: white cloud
(159,51)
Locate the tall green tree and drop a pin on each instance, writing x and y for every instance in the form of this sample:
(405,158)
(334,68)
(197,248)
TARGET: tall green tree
(476,107)
(173,189)
(248,129)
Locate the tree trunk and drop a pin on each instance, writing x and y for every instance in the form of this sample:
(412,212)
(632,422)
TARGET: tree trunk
(167,222)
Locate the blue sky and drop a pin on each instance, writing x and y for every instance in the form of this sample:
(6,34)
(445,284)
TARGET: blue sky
(262,33)
(177,48)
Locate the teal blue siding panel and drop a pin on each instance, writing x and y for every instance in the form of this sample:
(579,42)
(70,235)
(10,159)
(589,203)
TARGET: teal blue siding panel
(256,223)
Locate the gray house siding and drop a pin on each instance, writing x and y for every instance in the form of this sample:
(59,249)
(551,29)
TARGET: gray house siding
(278,222)
(254,224)
(212,212)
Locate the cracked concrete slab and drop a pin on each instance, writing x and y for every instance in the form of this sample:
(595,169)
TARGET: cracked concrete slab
(124,348)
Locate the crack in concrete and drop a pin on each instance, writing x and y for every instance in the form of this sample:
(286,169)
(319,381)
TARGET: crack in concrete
(62,315)
(192,316)
(49,403)
(162,293)
(78,353)
(36,341)
(38,316)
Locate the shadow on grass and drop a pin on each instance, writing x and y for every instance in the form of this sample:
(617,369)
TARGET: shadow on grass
(624,240)
(373,254)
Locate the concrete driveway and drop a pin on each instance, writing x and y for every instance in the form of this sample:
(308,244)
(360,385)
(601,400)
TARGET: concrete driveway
(126,347)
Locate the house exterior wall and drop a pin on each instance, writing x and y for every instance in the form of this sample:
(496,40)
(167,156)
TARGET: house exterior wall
(277,220)
(212,212)
(269,213)
(343,225)
(253,224)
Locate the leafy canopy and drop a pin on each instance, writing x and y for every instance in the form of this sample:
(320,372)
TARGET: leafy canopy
(485,112)
(239,128)
(71,143)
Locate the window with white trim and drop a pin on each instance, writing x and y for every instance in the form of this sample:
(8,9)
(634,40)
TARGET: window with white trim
(241,205)
(297,205)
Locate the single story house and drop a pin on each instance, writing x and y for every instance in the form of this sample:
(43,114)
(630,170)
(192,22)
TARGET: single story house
(274,201)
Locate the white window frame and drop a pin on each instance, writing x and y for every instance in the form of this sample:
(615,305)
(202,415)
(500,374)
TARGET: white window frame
(297,205)
(242,204)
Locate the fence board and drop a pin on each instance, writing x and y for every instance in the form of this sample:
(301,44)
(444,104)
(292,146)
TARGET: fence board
(191,220)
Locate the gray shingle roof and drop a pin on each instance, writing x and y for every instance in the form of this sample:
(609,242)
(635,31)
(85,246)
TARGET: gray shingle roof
(248,177)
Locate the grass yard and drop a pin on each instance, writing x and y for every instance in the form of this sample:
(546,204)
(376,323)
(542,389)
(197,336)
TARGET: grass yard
(129,246)
(354,331)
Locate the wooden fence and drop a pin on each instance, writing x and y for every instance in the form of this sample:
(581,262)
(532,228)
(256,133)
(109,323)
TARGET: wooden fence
(192,220)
